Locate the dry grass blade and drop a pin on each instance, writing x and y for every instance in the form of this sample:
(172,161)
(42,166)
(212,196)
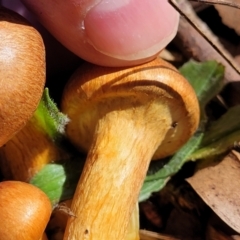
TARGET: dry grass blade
(218,186)
(177,6)
(219,2)
(193,45)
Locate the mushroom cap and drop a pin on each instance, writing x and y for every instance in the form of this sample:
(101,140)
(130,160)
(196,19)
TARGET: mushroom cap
(24,209)
(22,72)
(93,91)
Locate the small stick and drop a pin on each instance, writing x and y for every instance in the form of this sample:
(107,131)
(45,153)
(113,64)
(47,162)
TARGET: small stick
(219,2)
(215,47)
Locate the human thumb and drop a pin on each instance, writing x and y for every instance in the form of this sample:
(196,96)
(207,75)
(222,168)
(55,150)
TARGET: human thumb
(109,32)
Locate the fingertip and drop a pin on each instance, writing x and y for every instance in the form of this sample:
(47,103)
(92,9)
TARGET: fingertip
(130,30)
(109,32)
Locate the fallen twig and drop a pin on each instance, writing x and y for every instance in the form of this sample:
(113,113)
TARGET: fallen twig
(197,41)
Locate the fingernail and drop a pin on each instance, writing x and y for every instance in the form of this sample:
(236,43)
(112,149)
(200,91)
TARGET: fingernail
(130,29)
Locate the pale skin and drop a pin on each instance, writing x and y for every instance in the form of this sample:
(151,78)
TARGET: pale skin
(109,33)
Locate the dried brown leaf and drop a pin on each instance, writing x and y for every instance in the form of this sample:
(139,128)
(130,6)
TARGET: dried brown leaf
(218,186)
(230,16)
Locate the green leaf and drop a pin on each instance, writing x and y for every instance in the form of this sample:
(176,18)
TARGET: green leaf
(225,125)
(220,136)
(205,78)
(152,186)
(59,180)
(49,118)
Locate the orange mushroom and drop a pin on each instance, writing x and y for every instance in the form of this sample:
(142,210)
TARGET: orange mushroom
(22,72)
(123,117)
(25,211)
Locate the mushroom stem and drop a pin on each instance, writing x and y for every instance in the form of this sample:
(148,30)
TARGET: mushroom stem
(39,142)
(125,117)
(27,152)
(120,139)
(133,226)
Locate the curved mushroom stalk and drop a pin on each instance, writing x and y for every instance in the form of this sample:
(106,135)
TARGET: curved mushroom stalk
(27,152)
(124,117)
(61,214)
(133,226)
(39,142)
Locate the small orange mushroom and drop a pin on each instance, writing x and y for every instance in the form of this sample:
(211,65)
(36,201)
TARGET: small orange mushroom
(123,117)
(24,211)
(22,72)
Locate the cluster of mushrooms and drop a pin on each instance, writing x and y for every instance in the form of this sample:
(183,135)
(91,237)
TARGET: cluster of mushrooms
(121,117)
